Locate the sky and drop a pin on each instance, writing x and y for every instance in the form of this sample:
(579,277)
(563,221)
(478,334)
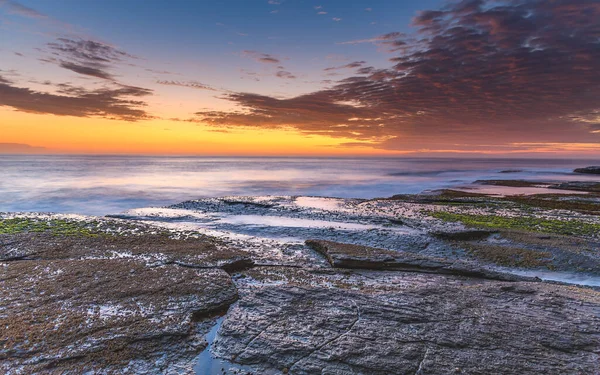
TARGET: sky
(301,77)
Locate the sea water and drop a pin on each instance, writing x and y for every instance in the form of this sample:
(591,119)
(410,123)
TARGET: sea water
(100,185)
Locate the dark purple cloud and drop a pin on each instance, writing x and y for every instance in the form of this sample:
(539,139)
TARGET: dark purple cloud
(261,57)
(352,65)
(113,103)
(285,74)
(86,70)
(476,73)
(88,50)
(86,57)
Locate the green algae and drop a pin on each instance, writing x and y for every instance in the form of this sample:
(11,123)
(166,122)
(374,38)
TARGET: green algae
(510,256)
(564,227)
(558,202)
(58,227)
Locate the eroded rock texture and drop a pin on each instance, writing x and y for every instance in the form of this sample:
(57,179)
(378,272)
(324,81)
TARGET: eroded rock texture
(364,257)
(367,322)
(141,303)
(151,248)
(105,315)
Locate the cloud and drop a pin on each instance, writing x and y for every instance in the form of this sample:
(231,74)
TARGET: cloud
(352,65)
(308,113)
(161,71)
(88,50)
(285,74)
(389,37)
(13,7)
(321,13)
(17,8)
(492,73)
(190,84)
(261,57)
(113,103)
(86,70)
(274,2)
(336,19)
(20,148)
(87,57)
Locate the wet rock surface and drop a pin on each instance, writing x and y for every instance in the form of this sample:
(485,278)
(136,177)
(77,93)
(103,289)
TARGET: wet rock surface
(107,297)
(588,170)
(518,248)
(366,322)
(589,186)
(437,283)
(150,248)
(105,315)
(341,255)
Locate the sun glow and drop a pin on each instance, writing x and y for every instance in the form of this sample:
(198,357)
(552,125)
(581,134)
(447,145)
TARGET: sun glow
(64,134)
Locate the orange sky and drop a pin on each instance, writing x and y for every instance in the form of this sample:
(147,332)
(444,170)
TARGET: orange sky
(65,134)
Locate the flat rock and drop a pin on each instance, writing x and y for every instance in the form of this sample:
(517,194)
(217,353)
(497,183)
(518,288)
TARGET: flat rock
(464,235)
(510,183)
(106,316)
(524,249)
(589,186)
(342,255)
(588,170)
(151,248)
(379,322)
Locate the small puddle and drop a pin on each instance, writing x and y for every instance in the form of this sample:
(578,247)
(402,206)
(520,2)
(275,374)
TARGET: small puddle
(208,364)
(326,204)
(565,277)
(512,190)
(290,222)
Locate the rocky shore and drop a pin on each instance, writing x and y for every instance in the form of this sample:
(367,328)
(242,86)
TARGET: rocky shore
(446,282)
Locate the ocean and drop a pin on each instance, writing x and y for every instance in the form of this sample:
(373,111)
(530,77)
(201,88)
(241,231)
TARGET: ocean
(100,185)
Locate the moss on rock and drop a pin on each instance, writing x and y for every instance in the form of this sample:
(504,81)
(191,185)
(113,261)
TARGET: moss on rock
(563,226)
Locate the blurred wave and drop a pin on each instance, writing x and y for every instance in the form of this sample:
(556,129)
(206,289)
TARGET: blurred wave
(99,185)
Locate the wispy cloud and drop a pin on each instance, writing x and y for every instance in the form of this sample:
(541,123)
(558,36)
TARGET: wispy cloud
(378,39)
(86,57)
(189,84)
(285,74)
(17,8)
(155,71)
(352,65)
(86,70)
(261,57)
(41,19)
(320,10)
